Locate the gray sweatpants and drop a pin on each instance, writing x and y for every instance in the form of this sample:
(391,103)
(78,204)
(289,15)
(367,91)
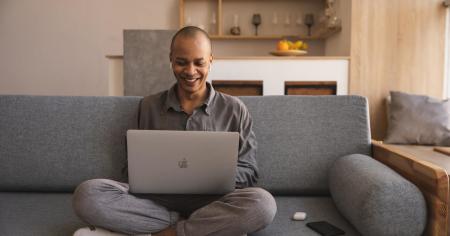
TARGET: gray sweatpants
(108,204)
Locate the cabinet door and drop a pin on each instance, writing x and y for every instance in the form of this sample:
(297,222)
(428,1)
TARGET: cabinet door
(239,87)
(310,88)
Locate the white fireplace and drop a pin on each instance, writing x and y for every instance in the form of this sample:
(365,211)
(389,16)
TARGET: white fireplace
(274,72)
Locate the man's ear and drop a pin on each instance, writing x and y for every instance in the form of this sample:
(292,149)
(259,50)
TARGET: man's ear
(210,62)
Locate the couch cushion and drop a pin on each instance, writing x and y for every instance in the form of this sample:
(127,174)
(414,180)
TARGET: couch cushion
(418,119)
(317,209)
(375,199)
(37,214)
(54,143)
(299,137)
(51,214)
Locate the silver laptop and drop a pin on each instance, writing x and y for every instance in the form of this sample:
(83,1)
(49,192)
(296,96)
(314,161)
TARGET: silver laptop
(182,162)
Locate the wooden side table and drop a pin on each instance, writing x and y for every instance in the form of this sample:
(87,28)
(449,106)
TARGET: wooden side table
(428,170)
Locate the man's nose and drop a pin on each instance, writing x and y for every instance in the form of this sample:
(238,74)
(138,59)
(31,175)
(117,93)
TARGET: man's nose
(190,69)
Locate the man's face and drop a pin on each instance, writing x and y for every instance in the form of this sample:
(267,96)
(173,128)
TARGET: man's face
(191,59)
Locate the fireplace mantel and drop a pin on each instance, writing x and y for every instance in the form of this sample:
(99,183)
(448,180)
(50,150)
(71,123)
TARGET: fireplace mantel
(275,71)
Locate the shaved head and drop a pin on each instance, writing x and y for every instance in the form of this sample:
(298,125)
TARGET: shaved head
(190,32)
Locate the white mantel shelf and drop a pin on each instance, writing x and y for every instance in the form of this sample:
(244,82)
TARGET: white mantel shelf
(282,58)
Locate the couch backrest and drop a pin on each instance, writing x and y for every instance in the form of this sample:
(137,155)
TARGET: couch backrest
(299,137)
(54,143)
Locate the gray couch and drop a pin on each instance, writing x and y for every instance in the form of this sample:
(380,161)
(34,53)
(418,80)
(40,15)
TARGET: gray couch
(313,156)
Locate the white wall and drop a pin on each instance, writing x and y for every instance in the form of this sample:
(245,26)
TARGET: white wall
(58,47)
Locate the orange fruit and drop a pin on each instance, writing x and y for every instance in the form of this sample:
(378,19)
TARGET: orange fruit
(283,45)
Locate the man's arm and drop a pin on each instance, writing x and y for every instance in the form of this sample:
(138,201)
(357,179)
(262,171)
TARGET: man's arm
(247,170)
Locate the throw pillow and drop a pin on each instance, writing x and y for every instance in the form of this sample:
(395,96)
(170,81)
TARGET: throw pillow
(417,119)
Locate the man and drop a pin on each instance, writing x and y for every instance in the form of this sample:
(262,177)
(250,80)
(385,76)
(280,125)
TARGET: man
(191,104)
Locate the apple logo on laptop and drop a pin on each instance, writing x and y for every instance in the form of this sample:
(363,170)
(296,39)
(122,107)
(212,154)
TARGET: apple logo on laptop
(183,163)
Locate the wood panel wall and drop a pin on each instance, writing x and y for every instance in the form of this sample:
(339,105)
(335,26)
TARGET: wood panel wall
(396,45)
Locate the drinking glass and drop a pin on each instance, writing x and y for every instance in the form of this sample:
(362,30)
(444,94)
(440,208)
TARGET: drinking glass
(275,18)
(287,20)
(256,21)
(309,21)
(299,19)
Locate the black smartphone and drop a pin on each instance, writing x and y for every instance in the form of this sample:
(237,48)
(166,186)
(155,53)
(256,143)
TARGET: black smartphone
(325,229)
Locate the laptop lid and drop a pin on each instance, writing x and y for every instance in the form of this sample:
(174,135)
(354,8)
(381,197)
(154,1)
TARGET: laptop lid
(182,162)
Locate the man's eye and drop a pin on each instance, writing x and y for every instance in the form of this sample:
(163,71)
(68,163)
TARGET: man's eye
(180,63)
(200,64)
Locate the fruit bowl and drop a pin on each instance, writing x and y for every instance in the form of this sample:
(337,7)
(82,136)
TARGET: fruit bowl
(288,53)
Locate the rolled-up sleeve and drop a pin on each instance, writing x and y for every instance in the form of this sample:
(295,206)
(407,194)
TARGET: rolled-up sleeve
(247,170)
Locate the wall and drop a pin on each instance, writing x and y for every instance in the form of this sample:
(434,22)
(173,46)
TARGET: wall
(446,86)
(339,44)
(58,47)
(396,45)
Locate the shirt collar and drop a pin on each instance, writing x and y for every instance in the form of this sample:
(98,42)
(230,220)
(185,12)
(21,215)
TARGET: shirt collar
(173,102)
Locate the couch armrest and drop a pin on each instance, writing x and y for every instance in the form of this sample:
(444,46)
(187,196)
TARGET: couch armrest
(376,199)
(431,179)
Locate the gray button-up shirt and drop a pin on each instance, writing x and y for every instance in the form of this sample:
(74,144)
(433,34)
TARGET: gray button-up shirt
(219,112)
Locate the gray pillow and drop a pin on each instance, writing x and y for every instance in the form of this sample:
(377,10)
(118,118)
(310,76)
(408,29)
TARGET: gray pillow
(417,119)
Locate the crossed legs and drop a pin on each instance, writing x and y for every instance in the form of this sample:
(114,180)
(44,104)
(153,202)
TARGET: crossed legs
(108,204)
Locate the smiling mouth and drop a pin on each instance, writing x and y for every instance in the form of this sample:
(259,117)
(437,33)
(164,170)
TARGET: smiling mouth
(191,80)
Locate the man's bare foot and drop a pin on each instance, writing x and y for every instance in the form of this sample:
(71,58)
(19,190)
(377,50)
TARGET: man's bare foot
(170,231)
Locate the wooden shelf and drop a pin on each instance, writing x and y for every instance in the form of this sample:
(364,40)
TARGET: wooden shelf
(245,37)
(201,12)
(318,33)
(263,37)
